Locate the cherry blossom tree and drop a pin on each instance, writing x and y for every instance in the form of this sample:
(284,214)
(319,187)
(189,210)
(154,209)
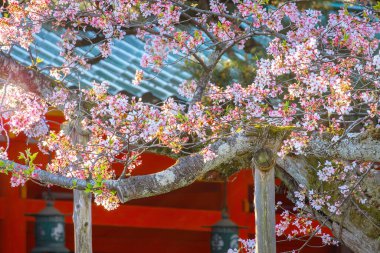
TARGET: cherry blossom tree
(309,116)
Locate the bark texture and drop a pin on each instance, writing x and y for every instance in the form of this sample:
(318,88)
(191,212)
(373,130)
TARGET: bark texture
(362,147)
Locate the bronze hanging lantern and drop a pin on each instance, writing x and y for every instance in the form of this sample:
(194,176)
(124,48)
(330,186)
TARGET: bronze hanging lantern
(49,230)
(224,233)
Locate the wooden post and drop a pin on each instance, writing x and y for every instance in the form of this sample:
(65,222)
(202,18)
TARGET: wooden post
(82,217)
(264,201)
(82,222)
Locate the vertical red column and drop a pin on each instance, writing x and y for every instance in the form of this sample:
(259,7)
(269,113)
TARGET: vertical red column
(237,195)
(14,222)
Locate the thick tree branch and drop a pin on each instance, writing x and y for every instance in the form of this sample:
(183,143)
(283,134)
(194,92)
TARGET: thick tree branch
(184,172)
(362,147)
(231,152)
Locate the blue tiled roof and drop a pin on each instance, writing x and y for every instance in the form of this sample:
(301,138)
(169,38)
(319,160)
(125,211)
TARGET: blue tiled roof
(118,69)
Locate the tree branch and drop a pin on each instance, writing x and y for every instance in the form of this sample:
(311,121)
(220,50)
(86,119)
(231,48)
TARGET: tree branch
(362,147)
(185,171)
(233,153)
(230,153)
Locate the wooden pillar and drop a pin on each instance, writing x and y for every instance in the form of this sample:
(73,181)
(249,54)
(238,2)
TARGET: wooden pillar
(264,201)
(82,216)
(82,219)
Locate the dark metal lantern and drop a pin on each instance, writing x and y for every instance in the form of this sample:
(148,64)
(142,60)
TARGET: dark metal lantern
(49,230)
(224,235)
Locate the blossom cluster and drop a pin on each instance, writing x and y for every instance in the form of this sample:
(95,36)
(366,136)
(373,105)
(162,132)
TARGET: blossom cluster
(345,176)
(300,226)
(107,199)
(23,111)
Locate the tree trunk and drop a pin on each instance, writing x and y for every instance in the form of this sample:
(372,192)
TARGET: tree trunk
(264,201)
(82,222)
